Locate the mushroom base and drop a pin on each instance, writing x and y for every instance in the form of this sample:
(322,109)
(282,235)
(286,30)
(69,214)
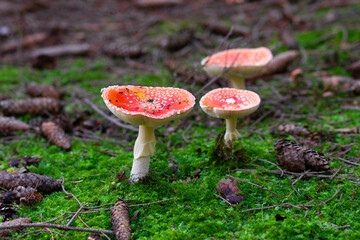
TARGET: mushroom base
(231,133)
(140,169)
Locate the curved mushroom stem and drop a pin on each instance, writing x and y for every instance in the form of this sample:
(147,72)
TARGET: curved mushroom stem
(238,82)
(143,149)
(231,133)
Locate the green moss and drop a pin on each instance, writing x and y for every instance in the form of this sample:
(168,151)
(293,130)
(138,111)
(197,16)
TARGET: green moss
(196,213)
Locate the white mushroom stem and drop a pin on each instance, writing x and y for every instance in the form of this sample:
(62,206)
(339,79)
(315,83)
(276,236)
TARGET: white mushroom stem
(231,133)
(238,82)
(144,148)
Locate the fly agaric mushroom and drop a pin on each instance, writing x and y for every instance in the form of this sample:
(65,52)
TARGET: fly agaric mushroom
(237,64)
(230,104)
(148,107)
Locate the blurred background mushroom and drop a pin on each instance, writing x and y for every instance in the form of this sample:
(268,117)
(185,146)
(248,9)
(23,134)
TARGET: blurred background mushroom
(237,64)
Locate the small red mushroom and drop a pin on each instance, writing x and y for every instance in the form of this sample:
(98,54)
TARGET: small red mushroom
(148,107)
(230,104)
(237,64)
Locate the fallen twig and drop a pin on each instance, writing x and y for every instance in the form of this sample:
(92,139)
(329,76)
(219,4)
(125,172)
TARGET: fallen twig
(98,208)
(229,203)
(349,162)
(337,227)
(6,226)
(294,182)
(57,226)
(114,121)
(253,184)
(290,205)
(63,50)
(43,230)
(147,204)
(307,174)
(275,165)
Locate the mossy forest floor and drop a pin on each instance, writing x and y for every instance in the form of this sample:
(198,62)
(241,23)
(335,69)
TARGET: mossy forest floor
(196,211)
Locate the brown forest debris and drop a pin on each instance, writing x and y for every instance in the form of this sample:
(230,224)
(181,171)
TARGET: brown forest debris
(94,236)
(5,232)
(354,68)
(25,161)
(8,211)
(179,40)
(25,195)
(2,97)
(348,130)
(157,3)
(118,49)
(228,188)
(64,121)
(278,64)
(288,39)
(34,106)
(223,29)
(63,50)
(55,134)
(297,158)
(291,129)
(41,90)
(44,62)
(27,42)
(42,183)
(332,3)
(186,74)
(340,83)
(10,124)
(120,220)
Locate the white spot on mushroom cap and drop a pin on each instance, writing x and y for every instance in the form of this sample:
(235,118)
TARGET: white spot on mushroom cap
(230,100)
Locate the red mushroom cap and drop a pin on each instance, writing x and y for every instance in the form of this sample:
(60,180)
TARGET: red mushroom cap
(150,106)
(229,103)
(243,62)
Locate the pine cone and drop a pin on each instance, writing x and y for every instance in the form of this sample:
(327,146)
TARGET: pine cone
(42,183)
(297,158)
(55,134)
(10,124)
(34,106)
(31,199)
(17,193)
(120,220)
(41,90)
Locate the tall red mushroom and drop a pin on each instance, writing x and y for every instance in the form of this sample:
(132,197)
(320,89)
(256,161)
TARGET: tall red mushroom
(148,107)
(230,104)
(237,64)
